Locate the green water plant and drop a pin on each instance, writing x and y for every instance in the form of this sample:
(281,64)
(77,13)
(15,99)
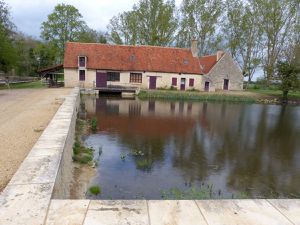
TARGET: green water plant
(82,154)
(95,190)
(123,156)
(94,124)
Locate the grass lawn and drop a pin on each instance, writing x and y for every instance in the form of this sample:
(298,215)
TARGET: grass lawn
(248,96)
(35,84)
(293,95)
(198,96)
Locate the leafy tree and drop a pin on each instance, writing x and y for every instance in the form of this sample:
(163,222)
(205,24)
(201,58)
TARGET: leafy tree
(242,33)
(276,19)
(150,22)
(92,36)
(124,28)
(8,55)
(199,20)
(289,75)
(63,24)
(5,21)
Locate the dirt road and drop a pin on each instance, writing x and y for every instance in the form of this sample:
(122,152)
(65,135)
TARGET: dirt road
(24,113)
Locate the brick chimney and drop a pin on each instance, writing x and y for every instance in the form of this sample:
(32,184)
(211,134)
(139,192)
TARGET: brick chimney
(219,55)
(194,48)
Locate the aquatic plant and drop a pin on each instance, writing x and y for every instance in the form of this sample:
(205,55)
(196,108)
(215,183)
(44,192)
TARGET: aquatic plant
(82,154)
(95,190)
(123,156)
(94,124)
(143,164)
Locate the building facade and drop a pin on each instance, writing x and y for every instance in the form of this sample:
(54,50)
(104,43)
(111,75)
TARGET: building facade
(148,67)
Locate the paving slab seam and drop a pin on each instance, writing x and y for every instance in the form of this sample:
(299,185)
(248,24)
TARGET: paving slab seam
(85,214)
(280,212)
(201,212)
(149,218)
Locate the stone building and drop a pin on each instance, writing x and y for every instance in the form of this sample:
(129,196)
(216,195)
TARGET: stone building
(91,65)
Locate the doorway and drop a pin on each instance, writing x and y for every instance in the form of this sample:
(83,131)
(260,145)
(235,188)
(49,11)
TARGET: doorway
(101,79)
(226,84)
(206,86)
(152,82)
(182,84)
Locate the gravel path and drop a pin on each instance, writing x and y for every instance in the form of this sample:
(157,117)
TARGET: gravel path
(24,113)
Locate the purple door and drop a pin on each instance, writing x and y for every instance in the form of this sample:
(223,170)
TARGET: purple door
(206,86)
(226,84)
(152,82)
(101,79)
(182,84)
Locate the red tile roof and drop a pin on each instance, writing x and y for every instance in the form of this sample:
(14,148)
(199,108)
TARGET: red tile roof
(137,58)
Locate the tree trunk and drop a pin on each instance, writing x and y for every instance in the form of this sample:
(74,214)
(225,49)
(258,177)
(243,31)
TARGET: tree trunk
(285,96)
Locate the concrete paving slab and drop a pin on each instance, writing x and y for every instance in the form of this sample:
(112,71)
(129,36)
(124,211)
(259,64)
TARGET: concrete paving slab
(25,204)
(117,213)
(241,212)
(67,212)
(184,212)
(40,169)
(289,207)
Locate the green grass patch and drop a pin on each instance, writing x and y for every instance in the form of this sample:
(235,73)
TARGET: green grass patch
(95,190)
(35,84)
(82,154)
(275,93)
(194,96)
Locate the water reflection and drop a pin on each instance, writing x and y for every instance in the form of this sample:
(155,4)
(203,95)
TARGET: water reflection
(235,147)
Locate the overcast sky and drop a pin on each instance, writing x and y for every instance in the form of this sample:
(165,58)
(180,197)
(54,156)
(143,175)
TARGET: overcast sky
(28,15)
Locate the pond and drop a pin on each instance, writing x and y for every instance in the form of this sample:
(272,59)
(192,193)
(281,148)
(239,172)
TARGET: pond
(174,149)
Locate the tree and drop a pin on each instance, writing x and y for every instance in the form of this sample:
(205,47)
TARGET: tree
(150,22)
(199,20)
(289,75)
(63,24)
(276,19)
(8,55)
(242,33)
(5,21)
(92,36)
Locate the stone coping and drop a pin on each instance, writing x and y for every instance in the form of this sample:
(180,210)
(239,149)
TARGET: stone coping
(26,198)
(172,212)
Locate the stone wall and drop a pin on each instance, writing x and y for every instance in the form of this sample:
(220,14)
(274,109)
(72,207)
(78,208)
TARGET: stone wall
(164,80)
(226,68)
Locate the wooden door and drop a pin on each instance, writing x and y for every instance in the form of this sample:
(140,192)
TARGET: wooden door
(101,79)
(152,82)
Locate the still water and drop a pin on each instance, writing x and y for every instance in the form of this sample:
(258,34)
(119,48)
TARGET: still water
(148,147)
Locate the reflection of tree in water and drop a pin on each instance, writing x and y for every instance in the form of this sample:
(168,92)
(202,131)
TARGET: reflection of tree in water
(262,168)
(190,158)
(145,151)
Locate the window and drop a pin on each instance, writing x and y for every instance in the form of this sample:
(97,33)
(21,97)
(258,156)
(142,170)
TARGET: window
(81,75)
(174,81)
(113,76)
(135,78)
(191,82)
(81,61)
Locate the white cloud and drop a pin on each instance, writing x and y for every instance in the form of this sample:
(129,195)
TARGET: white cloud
(28,15)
